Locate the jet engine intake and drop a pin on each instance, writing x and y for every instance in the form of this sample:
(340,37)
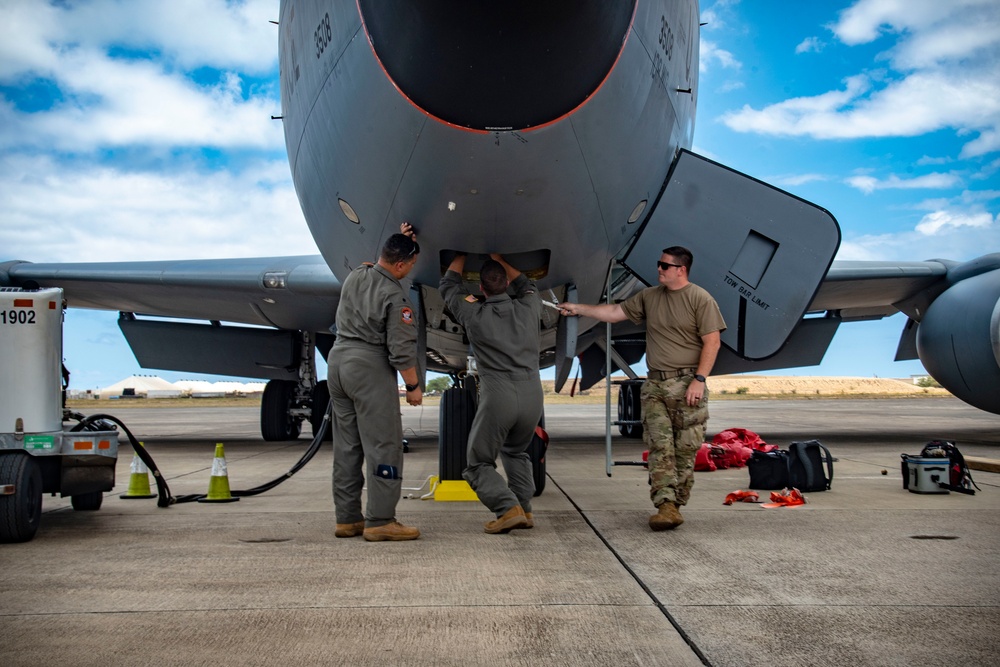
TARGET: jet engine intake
(958,340)
(443,55)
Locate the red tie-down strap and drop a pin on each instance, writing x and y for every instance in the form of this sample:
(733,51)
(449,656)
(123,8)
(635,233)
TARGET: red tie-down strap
(741,496)
(785,498)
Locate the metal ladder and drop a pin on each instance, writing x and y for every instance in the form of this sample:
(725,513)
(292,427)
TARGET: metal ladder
(610,354)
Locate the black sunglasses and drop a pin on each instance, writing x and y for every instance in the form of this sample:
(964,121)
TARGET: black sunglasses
(665,266)
(414,251)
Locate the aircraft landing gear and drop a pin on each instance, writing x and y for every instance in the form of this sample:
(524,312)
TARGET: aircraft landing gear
(630,408)
(288,403)
(277,421)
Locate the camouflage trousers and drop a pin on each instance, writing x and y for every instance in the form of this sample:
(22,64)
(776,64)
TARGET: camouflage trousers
(673,431)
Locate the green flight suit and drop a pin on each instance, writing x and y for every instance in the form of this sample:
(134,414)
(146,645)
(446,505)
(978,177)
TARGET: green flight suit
(505,340)
(376,336)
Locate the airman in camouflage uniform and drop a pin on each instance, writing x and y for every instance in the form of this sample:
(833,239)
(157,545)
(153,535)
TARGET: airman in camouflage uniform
(683,327)
(673,432)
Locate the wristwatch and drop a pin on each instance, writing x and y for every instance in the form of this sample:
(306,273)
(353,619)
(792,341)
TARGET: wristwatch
(699,378)
(411,387)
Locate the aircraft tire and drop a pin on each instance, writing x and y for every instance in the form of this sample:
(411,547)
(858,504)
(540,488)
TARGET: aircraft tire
(276,422)
(87,502)
(320,402)
(633,410)
(455,421)
(21,512)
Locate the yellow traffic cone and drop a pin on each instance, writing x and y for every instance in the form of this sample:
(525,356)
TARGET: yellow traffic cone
(218,483)
(138,481)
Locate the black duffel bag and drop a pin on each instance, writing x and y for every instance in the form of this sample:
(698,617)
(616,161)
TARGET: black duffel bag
(769,470)
(806,466)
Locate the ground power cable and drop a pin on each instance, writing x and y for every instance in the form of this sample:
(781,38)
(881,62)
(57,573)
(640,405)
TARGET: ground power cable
(164,497)
(652,596)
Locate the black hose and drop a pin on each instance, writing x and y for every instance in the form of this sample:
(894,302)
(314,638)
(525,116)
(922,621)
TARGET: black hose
(164,498)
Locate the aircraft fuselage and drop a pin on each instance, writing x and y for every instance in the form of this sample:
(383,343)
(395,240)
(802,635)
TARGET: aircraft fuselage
(392,112)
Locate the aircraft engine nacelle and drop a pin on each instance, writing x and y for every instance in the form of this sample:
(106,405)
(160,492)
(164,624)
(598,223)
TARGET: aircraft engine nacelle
(958,340)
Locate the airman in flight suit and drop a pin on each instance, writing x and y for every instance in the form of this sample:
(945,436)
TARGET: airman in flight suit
(504,334)
(376,337)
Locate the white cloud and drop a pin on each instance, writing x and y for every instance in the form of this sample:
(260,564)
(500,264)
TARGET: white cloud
(961,229)
(916,105)
(58,212)
(869,184)
(810,44)
(933,223)
(717,16)
(987,142)
(792,180)
(957,243)
(931,204)
(867,20)
(130,100)
(187,33)
(797,116)
(944,76)
(979,196)
(928,160)
(987,170)
(709,54)
(113,103)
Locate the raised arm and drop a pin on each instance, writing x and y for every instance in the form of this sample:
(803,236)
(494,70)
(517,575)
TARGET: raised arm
(457,263)
(512,273)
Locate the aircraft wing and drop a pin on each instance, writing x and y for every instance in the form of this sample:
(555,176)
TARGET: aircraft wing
(864,290)
(291,300)
(850,291)
(297,293)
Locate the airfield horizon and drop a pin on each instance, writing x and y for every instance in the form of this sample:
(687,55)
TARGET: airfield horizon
(723,388)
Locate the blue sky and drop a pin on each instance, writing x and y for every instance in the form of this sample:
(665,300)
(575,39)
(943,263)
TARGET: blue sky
(141,130)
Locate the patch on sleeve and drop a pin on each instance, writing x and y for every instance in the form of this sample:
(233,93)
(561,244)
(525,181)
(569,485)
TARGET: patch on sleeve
(471,298)
(406,315)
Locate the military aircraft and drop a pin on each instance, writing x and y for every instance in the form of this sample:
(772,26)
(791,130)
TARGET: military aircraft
(555,133)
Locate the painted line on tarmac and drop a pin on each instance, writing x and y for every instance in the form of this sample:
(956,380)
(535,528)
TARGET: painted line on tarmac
(652,596)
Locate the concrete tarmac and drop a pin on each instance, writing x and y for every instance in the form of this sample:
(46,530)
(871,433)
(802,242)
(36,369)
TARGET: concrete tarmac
(863,574)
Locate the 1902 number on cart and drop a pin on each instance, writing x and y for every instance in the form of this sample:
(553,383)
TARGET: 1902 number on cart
(17,317)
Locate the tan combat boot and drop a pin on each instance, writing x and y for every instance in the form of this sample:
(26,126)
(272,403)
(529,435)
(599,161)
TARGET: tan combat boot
(350,529)
(667,517)
(393,531)
(512,518)
(531,520)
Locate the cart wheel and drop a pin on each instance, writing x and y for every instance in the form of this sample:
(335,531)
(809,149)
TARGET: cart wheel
(20,512)
(87,502)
